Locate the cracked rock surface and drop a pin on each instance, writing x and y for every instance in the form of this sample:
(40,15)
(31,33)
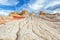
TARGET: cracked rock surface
(30,28)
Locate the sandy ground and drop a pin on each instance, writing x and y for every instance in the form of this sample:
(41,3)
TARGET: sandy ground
(31,28)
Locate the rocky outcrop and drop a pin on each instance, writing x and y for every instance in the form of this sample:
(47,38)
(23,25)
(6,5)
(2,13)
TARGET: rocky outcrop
(13,14)
(25,13)
(31,28)
(42,13)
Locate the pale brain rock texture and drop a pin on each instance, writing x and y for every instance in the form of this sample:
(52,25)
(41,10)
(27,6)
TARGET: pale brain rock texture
(9,31)
(36,28)
(30,28)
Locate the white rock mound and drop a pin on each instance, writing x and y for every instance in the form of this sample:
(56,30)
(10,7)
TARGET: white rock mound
(30,28)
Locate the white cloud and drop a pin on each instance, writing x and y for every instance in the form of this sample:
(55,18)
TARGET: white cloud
(51,4)
(57,10)
(37,5)
(9,2)
(5,12)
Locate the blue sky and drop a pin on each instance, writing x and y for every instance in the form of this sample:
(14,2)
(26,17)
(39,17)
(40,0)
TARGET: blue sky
(49,6)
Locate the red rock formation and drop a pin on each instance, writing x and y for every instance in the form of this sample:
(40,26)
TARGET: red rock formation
(18,17)
(15,15)
(42,13)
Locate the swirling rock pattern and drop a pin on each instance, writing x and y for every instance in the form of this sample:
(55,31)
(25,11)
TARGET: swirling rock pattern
(30,28)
